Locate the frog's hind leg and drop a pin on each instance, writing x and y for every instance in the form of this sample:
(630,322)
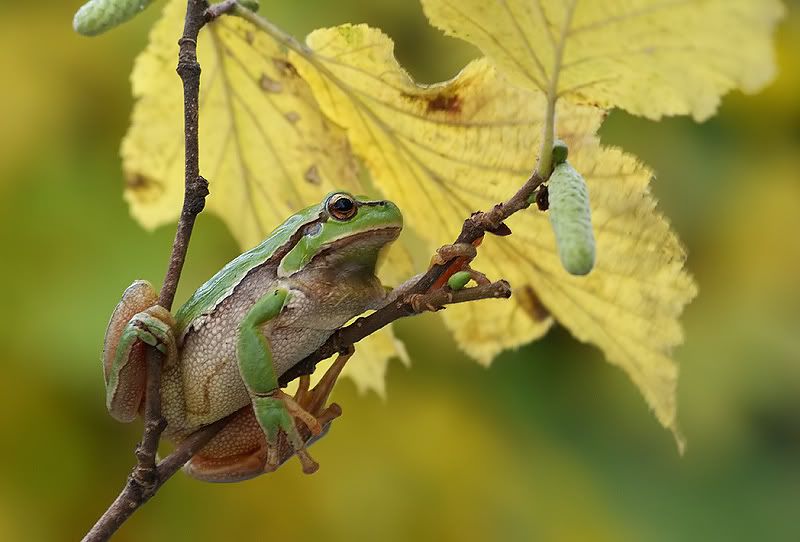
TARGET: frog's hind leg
(239,451)
(137,321)
(314,400)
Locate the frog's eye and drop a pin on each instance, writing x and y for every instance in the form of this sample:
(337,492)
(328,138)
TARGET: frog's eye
(341,207)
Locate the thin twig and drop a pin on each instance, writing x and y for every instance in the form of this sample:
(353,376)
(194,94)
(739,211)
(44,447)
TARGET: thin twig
(220,9)
(440,297)
(411,304)
(473,229)
(147,476)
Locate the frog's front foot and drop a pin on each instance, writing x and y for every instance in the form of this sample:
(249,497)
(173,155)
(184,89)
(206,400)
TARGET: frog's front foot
(276,411)
(459,255)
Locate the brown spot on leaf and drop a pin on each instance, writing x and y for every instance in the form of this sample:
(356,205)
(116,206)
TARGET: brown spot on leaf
(292,116)
(445,102)
(285,67)
(268,84)
(448,101)
(312,175)
(136,181)
(531,304)
(249,37)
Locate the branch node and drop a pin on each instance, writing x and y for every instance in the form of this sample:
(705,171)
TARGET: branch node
(195,195)
(187,69)
(217,10)
(147,476)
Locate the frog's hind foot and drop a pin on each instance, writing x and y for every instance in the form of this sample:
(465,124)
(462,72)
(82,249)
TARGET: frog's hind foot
(314,401)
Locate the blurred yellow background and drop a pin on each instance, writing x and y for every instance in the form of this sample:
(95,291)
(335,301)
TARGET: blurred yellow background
(550,443)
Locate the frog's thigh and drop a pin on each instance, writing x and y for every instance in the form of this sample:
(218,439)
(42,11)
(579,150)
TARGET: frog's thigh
(136,320)
(238,452)
(125,379)
(137,297)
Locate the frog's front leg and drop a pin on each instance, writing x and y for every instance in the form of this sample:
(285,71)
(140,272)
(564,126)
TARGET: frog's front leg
(274,409)
(136,322)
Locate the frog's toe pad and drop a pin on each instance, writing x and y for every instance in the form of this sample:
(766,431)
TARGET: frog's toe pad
(309,465)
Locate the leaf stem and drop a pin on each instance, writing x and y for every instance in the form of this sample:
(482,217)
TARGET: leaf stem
(545,166)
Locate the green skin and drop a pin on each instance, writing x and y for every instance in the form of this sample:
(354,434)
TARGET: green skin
(262,313)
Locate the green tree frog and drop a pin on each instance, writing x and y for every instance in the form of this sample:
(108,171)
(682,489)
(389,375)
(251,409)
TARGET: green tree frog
(226,347)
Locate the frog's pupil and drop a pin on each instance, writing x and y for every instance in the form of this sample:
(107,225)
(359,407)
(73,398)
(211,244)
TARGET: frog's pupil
(343,205)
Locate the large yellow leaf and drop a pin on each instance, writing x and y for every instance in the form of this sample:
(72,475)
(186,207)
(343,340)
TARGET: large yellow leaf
(265,147)
(442,151)
(649,57)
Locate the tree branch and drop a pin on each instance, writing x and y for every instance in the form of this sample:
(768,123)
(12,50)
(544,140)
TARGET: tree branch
(147,476)
(473,229)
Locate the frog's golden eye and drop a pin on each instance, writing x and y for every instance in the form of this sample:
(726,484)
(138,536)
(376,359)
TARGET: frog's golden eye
(341,207)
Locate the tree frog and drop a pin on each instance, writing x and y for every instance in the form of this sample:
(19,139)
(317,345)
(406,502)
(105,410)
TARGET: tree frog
(226,347)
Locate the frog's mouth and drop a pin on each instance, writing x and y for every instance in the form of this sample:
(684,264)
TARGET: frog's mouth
(364,240)
(356,250)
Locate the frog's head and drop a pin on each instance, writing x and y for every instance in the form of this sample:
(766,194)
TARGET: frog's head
(349,231)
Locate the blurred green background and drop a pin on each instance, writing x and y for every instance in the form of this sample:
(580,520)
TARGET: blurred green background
(550,443)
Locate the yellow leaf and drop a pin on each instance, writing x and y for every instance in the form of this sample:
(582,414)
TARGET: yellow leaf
(265,147)
(368,371)
(649,57)
(443,151)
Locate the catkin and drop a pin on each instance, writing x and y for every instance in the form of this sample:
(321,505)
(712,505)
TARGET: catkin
(571,219)
(97,16)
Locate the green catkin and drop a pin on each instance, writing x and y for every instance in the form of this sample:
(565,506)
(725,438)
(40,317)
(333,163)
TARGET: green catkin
(97,16)
(459,280)
(571,219)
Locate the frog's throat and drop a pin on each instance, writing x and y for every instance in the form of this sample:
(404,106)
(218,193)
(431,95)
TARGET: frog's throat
(370,241)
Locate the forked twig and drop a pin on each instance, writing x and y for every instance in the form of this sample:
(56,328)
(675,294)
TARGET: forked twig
(148,476)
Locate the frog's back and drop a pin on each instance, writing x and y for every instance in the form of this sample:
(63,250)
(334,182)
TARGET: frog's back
(206,298)
(207,325)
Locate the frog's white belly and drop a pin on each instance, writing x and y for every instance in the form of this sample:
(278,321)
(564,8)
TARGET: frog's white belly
(205,385)
(209,381)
